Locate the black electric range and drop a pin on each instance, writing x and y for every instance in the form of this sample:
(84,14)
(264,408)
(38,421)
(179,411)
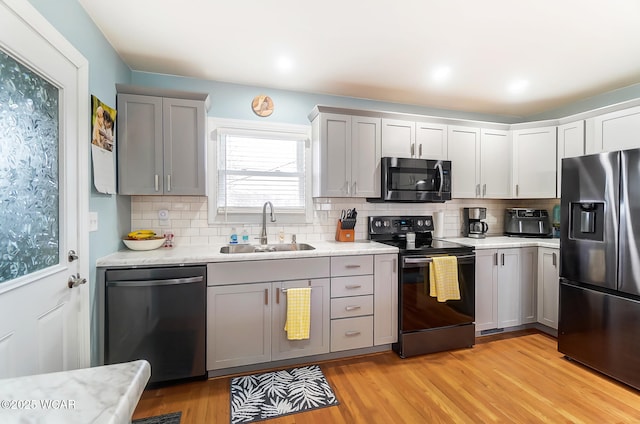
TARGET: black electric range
(426,325)
(392,230)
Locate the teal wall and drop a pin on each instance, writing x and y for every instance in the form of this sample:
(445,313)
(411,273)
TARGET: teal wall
(227,101)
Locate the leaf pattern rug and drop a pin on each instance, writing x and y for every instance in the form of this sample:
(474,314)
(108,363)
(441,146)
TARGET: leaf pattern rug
(259,397)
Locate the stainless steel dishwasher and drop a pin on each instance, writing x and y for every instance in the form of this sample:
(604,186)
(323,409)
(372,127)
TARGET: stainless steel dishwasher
(157,314)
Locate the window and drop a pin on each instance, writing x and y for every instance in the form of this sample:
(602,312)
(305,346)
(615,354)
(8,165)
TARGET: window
(256,163)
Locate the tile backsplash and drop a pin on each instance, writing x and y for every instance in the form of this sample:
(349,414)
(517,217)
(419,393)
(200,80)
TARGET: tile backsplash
(188,217)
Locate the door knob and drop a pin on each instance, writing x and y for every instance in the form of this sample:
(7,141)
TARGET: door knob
(73,256)
(76,280)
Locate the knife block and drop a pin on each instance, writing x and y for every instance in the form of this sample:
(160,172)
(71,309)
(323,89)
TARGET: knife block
(343,234)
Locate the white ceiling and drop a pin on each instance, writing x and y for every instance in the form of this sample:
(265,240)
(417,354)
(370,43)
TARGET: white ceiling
(556,51)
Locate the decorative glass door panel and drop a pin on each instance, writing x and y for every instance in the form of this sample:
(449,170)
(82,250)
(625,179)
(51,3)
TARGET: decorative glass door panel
(29,175)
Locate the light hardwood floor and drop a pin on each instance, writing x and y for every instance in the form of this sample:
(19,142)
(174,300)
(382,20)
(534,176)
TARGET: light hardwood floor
(517,379)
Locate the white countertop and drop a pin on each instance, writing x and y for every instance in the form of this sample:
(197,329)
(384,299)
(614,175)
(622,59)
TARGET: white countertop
(502,242)
(211,253)
(107,394)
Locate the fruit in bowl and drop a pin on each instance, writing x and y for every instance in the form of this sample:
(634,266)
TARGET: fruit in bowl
(143,240)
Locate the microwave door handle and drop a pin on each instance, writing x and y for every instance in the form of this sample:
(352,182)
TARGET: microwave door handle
(441,176)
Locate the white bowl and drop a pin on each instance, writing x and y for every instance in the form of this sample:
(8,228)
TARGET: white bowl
(148,244)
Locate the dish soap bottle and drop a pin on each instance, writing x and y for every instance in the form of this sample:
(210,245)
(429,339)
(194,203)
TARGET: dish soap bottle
(233,237)
(244,237)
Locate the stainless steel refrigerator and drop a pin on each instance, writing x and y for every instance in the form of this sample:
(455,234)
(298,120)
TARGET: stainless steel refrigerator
(600,263)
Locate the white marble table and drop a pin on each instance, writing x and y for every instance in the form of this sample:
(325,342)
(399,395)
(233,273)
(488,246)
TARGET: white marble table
(106,394)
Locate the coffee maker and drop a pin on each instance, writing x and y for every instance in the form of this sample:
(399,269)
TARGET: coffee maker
(473,224)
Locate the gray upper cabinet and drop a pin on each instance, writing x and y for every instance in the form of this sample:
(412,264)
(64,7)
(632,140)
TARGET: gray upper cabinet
(161,144)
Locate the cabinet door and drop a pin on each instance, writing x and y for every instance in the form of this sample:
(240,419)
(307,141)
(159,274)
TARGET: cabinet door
(528,284)
(139,145)
(366,150)
(548,286)
(534,163)
(398,138)
(486,289)
(184,139)
(509,303)
(464,154)
(571,143)
(495,164)
(335,155)
(617,130)
(238,325)
(318,341)
(431,141)
(385,308)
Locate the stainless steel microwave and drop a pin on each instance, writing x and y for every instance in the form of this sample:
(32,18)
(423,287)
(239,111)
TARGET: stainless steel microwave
(414,180)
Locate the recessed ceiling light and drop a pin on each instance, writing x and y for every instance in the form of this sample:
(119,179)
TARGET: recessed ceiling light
(284,64)
(441,73)
(518,86)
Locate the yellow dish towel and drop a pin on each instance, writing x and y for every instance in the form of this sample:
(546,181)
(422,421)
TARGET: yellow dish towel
(443,277)
(298,313)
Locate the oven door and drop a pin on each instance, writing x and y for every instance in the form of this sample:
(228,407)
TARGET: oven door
(419,311)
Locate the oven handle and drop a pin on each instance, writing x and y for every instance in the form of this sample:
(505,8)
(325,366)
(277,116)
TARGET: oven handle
(426,260)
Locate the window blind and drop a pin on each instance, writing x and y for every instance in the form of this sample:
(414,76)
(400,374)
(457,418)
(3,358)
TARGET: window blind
(254,168)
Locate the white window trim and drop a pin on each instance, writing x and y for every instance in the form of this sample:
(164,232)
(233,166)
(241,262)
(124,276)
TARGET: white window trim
(285,130)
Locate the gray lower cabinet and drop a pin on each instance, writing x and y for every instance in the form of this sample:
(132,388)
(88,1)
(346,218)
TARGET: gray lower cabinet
(354,304)
(246,316)
(548,286)
(161,145)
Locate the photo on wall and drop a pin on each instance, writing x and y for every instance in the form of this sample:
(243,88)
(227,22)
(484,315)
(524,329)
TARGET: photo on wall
(103,144)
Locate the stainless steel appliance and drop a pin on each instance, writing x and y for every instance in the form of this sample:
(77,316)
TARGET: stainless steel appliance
(414,180)
(157,314)
(473,224)
(424,324)
(599,323)
(521,222)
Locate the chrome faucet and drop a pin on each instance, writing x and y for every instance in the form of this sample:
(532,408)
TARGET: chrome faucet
(263,233)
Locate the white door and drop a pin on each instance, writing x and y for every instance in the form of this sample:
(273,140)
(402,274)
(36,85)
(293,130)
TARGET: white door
(44,115)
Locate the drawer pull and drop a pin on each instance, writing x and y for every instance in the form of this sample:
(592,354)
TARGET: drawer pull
(353,266)
(352,333)
(351,308)
(353,286)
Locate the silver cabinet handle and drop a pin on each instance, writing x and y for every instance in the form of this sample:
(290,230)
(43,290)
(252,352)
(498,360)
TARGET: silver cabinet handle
(420,150)
(351,308)
(554,259)
(266,296)
(517,190)
(503,259)
(413,149)
(352,333)
(495,259)
(169,182)
(157,182)
(352,266)
(477,189)
(353,286)
(484,190)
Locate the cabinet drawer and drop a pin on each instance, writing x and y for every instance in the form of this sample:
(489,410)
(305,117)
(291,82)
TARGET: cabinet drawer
(351,333)
(351,286)
(351,265)
(345,307)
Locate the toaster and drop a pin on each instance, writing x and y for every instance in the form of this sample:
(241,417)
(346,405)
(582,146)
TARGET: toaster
(521,222)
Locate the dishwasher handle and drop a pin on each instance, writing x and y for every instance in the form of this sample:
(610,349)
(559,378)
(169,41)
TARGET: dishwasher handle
(148,283)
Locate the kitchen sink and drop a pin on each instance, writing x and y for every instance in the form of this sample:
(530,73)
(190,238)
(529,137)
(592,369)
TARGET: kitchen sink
(250,248)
